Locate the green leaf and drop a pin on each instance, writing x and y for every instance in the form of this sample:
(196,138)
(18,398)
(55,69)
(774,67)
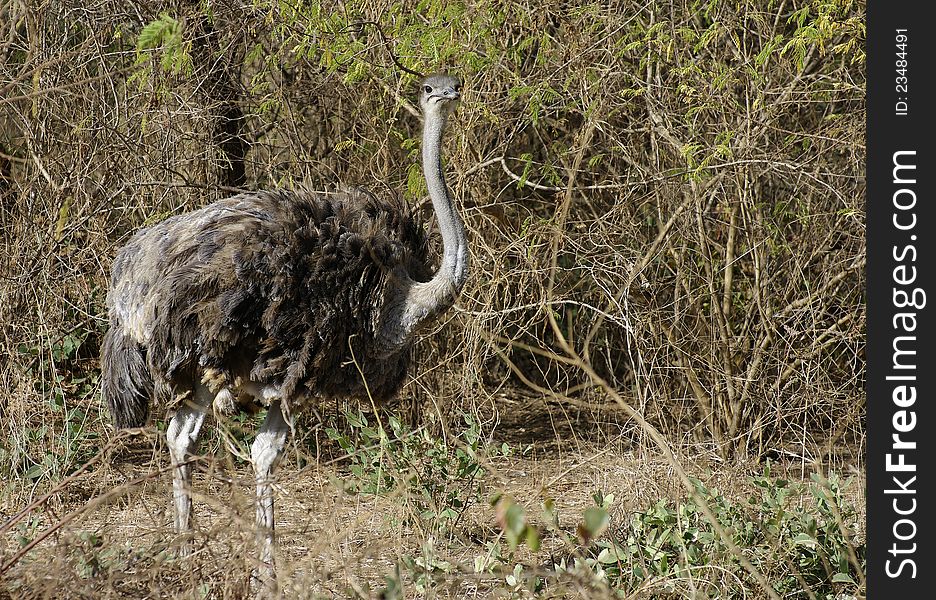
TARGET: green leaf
(155,33)
(514,518)
(532,539)
(804,539)
(596,520)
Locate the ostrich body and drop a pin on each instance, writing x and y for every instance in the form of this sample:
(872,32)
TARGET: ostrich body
(285,297)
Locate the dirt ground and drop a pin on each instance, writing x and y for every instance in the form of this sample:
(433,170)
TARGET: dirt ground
(113,537)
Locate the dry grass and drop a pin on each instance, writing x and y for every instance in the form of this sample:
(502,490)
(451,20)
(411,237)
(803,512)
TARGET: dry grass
(665,205)
(333,544)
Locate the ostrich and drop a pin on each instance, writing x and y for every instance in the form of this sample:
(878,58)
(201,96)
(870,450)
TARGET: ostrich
(283,297)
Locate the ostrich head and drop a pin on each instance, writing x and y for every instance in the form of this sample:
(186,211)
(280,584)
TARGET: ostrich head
(439,95)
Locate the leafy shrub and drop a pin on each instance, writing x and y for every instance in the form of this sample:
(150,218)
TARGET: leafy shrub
(799,537)
(440,479)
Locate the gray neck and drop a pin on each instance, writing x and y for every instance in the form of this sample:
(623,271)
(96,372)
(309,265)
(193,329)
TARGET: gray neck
(454,268)
(417,303)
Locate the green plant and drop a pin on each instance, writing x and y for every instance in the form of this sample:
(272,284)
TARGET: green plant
(68,384)
(427,566)
(441,479)
(511,517)
(165,34)
(799,536)
(92,557)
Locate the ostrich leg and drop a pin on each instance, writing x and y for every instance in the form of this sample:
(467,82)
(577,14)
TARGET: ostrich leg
(182,437)
(265,452)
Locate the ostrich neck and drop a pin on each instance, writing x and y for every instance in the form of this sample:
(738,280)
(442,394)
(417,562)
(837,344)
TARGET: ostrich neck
(454,268)
(416,303)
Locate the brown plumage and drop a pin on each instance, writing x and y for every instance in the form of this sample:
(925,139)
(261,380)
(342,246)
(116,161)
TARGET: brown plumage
(284,297)
(284,288)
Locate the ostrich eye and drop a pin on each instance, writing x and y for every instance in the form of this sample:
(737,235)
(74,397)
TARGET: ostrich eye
(428,89)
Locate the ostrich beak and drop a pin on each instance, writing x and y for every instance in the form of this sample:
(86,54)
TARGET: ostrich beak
(447,94)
